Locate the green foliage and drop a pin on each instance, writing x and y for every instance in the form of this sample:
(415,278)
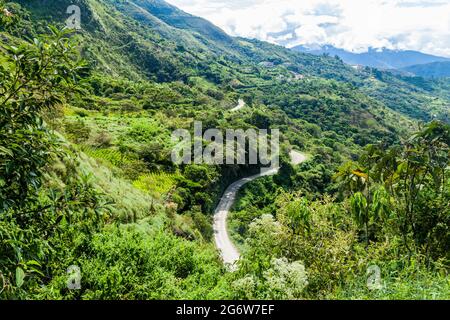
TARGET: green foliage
(127,263)
(394,215)
(13,17)
(263,272)
(156,184)
(400,278)
(407,188)
(77,131)
(34,77)
(36,242)
(285,280)
(114,157)
(195,186)
(282,281)
(112,202)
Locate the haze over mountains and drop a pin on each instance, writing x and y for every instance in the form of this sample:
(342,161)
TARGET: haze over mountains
(440,69)
(384,58)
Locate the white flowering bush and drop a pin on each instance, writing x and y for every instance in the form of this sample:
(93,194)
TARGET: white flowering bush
(264,273)
(285,280)
(245,288)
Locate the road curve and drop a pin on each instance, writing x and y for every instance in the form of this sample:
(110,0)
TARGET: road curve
(240,105)
(230,255)
(297,157)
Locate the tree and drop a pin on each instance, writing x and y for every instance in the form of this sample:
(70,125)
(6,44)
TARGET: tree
(285,280)
(405,186)
(265,241)
(33,77)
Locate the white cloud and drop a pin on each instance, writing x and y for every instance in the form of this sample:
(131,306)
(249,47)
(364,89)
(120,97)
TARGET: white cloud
(355,25)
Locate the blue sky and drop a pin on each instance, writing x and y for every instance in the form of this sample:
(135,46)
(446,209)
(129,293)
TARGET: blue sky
(354,25)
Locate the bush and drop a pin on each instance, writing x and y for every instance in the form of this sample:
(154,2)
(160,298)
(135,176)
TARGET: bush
(77,131)
(102,140)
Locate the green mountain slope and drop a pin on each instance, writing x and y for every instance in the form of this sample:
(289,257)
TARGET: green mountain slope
(182,20)
(103,193)
(155,40)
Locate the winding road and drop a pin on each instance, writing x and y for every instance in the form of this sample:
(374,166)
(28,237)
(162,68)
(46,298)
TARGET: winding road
(240,105)
(230,255)
(224,244)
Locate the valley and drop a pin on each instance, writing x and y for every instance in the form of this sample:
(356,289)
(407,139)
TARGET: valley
(87,123)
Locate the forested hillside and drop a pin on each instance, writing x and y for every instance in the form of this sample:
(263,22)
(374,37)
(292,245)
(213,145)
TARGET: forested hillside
(86,177)
(431,70)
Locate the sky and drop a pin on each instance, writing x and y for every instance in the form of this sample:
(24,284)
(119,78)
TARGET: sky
(354,25)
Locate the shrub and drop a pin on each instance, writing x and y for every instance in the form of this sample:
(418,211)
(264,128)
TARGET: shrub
(285,280)
(77,131)
(102,140)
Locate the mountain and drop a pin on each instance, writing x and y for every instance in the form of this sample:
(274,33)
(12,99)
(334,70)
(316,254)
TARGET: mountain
(153,40)
(87,183)
(375,58)
(430,70)
(182,20)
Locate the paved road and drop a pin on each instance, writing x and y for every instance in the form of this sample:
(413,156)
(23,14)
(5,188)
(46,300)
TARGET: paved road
(224,244)
(230,255)
(240,105)
(297,157)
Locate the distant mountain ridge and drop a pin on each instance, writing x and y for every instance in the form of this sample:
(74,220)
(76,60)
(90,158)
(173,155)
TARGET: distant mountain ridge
(440,69)
(375,58)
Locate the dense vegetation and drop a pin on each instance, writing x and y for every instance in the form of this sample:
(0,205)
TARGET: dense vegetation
(86,178)
(393,213)
(431,70)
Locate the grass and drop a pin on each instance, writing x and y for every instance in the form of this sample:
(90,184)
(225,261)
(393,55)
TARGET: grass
(110,156)
(131,203)
(423,285)
(156,184)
